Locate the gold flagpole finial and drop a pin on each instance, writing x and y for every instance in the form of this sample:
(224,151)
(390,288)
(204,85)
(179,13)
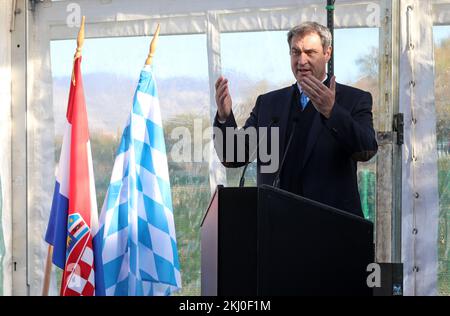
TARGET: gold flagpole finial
(153,44)
(80,39)
(80,42)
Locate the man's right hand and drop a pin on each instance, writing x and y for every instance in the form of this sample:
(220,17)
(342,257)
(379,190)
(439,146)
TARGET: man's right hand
(223,99)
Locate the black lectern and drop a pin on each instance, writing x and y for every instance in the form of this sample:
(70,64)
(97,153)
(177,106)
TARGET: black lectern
(266,241)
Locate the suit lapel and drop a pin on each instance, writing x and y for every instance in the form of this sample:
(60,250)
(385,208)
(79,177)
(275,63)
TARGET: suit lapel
(313,136)
(283,110)
(316,129)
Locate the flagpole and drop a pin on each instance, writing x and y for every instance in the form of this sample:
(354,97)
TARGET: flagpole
(48,263)
(48,271)
(153,44)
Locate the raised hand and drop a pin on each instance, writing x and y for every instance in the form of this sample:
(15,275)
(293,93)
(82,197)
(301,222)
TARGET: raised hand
(223,98)
(320,95)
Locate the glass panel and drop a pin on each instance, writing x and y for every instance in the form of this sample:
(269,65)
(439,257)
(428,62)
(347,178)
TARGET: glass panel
(254,63)
(111,68)
(358,67)
(441,36)
(258,62)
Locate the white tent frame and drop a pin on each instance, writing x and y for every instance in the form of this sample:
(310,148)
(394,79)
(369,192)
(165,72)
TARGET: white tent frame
(31,97)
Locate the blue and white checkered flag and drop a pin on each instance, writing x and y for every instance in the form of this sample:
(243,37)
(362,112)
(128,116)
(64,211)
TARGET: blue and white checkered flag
(139,250)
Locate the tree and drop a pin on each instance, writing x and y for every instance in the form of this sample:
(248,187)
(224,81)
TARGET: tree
(368,64)
(442,91)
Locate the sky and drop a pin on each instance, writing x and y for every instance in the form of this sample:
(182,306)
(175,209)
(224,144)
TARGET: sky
(441,32)
(126,55)
(254,54)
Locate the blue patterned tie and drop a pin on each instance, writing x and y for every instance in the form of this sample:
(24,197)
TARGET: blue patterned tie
(303,100)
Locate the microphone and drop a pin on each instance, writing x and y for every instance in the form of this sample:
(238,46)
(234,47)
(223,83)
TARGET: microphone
(276,181)
(242,180)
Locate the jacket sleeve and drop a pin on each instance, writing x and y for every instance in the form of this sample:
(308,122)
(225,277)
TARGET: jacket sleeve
(354,130)
(227,133)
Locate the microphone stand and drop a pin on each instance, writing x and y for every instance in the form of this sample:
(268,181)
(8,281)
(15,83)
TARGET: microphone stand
(242,179)
(276,181)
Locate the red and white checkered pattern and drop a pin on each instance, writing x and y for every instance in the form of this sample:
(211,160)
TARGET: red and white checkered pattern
(81,281)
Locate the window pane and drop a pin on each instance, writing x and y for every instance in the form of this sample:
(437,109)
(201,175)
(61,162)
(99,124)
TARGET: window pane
(441,36)
(358,67)
(111,68)
(254,63)
(258,62)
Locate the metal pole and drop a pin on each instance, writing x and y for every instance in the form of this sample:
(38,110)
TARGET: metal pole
(330,25)
(19,151)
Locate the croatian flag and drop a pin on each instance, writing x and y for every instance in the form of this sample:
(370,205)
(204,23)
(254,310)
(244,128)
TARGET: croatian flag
(137,226)
(73,215)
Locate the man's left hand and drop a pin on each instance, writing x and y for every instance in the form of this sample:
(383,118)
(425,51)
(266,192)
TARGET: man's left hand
(320,95)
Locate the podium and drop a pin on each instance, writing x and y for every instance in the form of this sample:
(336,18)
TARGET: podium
(266,241)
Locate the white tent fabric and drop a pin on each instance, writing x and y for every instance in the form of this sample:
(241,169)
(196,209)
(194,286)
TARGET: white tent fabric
(41,149)
(420,202)
(5,146)
(138,17)
(441,12)
(216,170)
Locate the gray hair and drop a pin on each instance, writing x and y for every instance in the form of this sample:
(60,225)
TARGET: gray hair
(308,28)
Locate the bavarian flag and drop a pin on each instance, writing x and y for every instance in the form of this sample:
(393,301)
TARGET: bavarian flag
(136,226)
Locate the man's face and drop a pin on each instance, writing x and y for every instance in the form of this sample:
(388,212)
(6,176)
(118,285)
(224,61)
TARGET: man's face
(308,56)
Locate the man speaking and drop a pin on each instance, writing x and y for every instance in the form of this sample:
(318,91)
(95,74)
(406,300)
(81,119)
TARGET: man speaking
(324,127)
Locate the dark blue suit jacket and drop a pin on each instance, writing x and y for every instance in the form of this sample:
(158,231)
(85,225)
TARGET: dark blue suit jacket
(333,146)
